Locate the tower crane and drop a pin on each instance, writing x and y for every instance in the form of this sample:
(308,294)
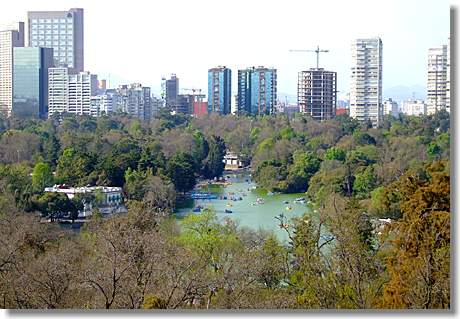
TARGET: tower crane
(317,51)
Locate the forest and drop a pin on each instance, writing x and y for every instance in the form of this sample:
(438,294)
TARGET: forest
(355,176)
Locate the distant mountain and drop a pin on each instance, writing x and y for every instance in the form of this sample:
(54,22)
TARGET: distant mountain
(401,92)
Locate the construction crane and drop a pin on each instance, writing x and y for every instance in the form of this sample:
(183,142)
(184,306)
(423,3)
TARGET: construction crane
(317,51)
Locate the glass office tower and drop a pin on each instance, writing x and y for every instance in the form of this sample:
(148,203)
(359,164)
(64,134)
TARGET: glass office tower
(257,90)
(219,90)
(30,81)
(62,31)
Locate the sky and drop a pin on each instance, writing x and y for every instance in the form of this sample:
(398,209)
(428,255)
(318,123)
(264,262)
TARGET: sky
(143,41)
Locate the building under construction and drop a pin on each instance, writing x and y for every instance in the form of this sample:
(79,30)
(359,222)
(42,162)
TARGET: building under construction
(317,93)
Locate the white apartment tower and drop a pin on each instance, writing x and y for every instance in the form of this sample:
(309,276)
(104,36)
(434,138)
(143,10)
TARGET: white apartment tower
(11,35)
(437,88)
(366,80)
(58,90)
(70,93)
(390,107)
(81,87)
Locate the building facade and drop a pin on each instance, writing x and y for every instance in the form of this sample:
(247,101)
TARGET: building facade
(390,107)
(200,108)
(30,81)
(61,30)
(414,107)
(317,93)
(437,86)
(219,90)
(366,80)
(110,202)
(70,93)
(82,87)
(58,90)
(135,100)
(171,91)
(11,36)
(257,90)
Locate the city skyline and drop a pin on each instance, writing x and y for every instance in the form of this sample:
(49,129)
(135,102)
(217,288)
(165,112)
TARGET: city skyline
(177,41)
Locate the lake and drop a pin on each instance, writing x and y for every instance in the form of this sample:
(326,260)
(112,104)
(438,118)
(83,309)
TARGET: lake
(247,211)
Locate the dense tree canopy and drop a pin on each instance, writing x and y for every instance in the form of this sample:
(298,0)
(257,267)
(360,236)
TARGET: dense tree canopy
(376,235)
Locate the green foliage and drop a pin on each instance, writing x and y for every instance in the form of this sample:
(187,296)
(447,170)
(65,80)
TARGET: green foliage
(73,168)
(42,177)
(154,302)
(135,182)
(55,206)
(363,138)
(433,150)
(335,153)
(213,164)
(419,258)
(181,171)
(287,133)
(305,165)
(205,235)
(364,182)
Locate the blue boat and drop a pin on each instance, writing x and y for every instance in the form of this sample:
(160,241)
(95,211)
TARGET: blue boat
(228,211)
(197,209)
(203,196)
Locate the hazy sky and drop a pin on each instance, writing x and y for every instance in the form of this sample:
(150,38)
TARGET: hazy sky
(141,41)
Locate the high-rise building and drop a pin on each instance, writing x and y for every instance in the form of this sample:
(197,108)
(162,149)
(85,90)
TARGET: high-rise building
(366,80)
(414,107)
(390,107)
(134,100)
(71,92)
(58,90)
(157,103)
(171,91)
(257,89)
(317,93)
(448,78)
(437,91)
(30,81)
(61,30)
(200,108)
(11,36)
(184,103)
(219,90)
(81,87)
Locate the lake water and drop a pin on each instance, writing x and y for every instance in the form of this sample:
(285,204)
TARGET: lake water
(247,211)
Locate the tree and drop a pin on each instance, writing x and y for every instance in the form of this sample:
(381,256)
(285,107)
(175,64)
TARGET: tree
(364,182)
(335,153)
(419,258)
(181,171)
(135,183)
(55,205)
(73,168)
(305,165)
(42,176)
(213,164)
(160,196)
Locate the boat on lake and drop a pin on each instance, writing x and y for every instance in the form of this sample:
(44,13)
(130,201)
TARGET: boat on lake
(203,196)
(228,211)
